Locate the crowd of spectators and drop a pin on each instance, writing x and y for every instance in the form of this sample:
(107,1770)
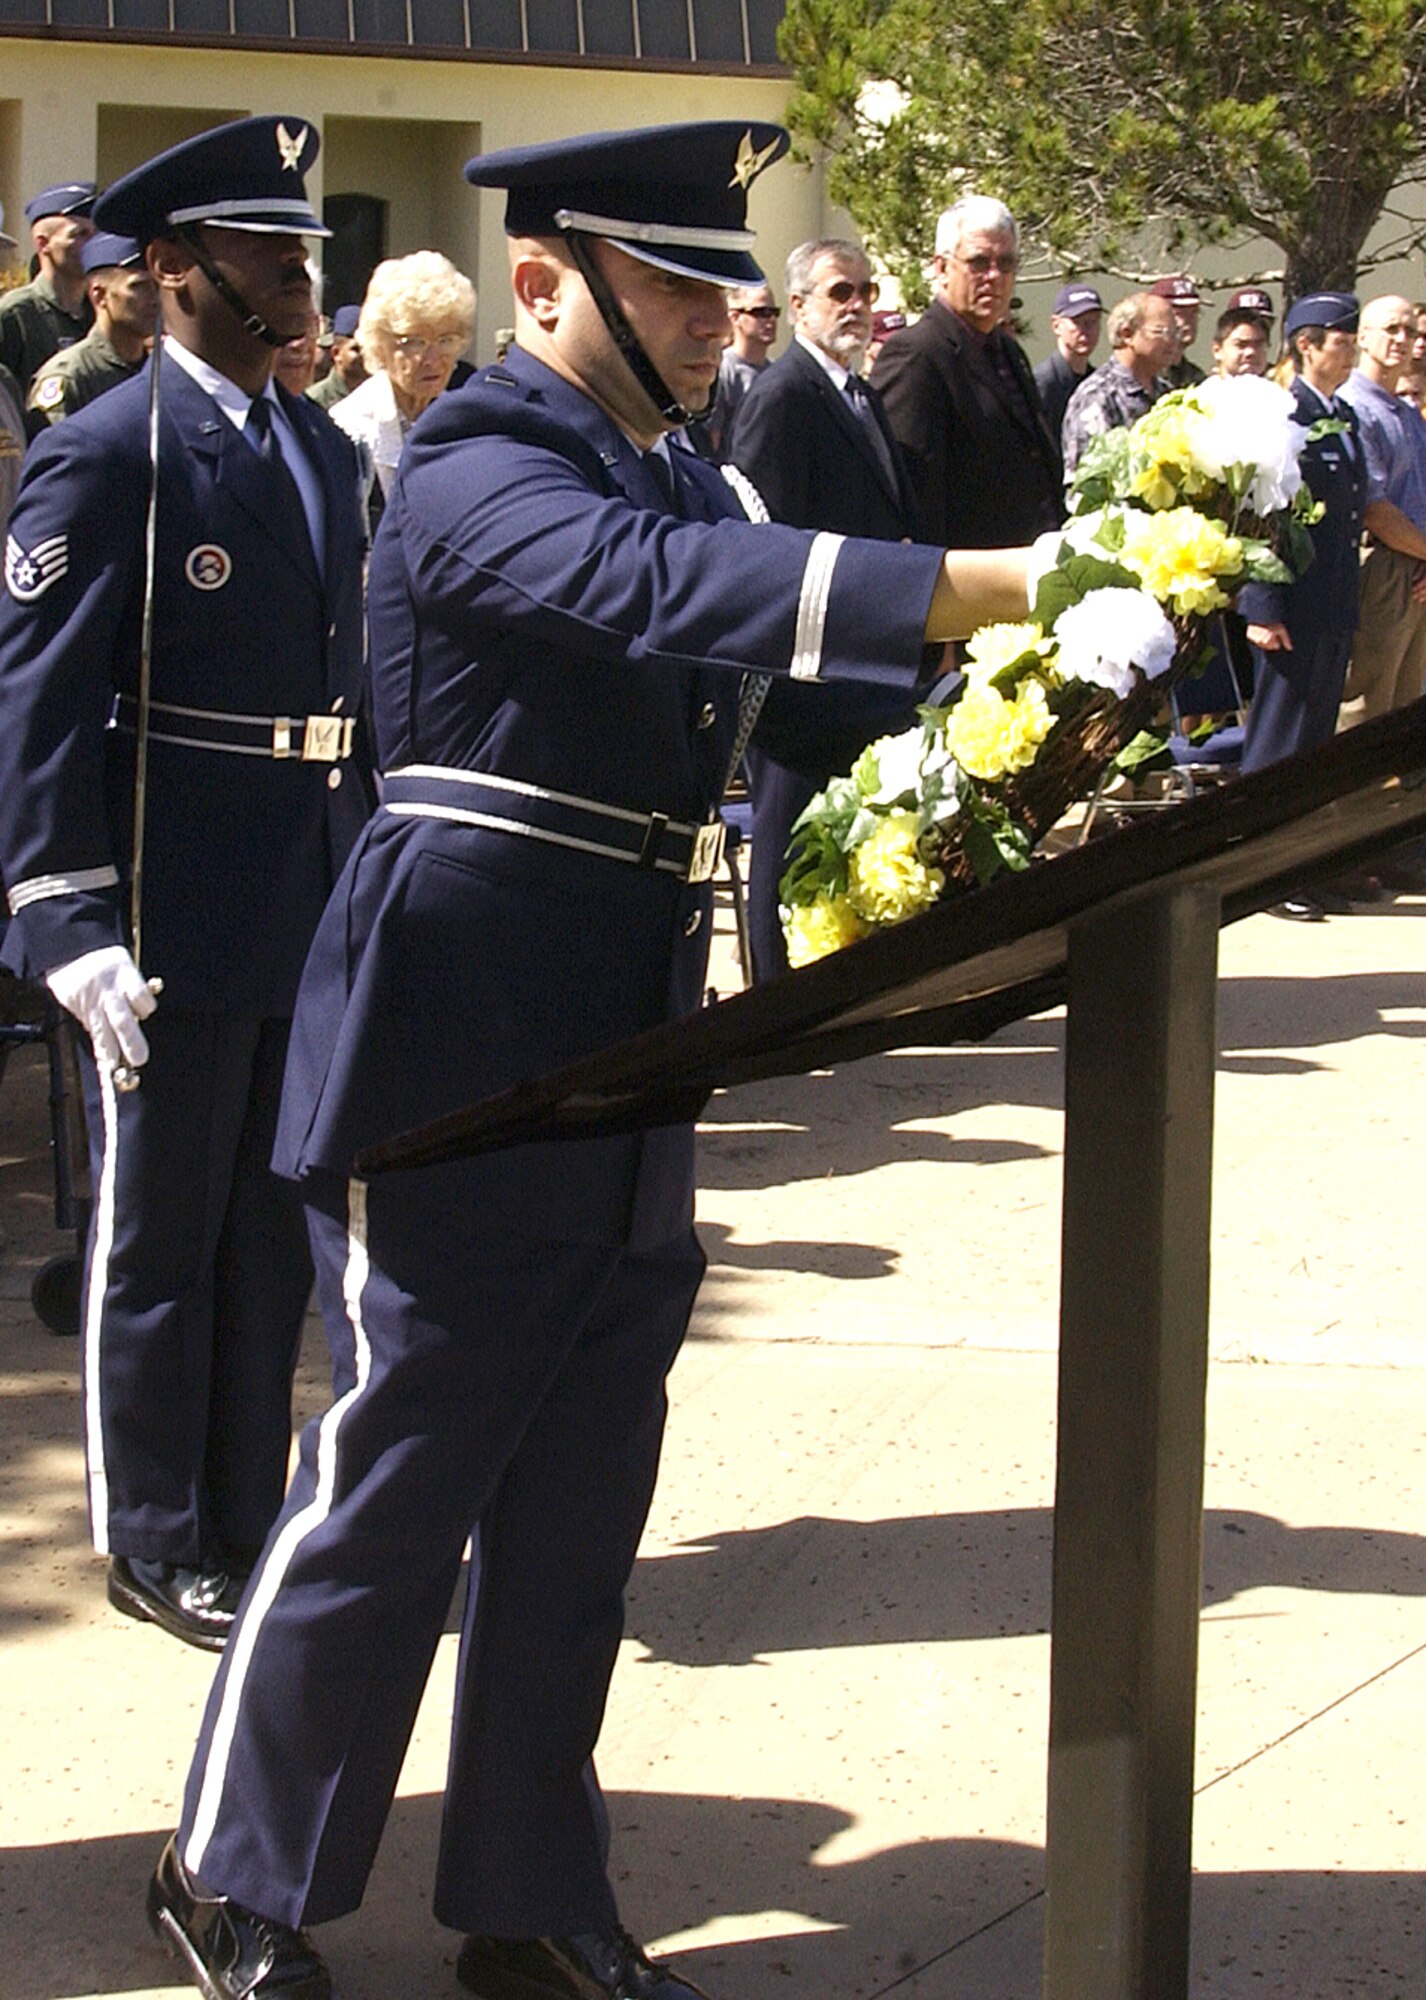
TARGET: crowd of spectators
(946,435)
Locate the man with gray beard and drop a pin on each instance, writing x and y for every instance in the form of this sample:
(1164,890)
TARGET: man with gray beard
(812,437)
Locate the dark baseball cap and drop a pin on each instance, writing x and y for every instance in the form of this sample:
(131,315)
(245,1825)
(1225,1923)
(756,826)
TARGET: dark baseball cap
(1074,301)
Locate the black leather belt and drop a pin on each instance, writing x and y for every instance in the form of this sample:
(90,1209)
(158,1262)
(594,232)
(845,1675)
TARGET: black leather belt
(313,739)
(688,849)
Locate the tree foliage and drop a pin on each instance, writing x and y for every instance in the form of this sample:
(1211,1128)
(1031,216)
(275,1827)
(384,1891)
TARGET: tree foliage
(1172,121)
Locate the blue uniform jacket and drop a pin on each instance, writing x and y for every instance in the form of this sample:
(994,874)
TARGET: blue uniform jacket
(1324,597)
(240,851)
(534,612)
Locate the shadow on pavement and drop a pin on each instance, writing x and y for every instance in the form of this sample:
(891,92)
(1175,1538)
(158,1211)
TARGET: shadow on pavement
(824,1929)
(814,1583)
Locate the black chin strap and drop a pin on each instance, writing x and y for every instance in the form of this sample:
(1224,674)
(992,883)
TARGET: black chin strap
(253,322)
(627,341)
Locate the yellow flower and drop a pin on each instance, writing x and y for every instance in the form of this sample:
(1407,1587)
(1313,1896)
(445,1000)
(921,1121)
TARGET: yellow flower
(1153,486)
(815,929)
(997,646)
(1179,556)
(989,736)
(1164,453)
(886,878)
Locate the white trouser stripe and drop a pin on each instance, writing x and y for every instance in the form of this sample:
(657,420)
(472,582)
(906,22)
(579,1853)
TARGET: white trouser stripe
(812,606)
(94,1315)
(279,1559)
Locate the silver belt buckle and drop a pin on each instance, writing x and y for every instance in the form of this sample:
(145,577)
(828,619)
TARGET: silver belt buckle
(326,739)
(707,853)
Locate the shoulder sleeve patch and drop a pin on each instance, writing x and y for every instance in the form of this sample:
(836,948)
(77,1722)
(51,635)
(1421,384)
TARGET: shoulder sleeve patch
(30,572)
(49,394)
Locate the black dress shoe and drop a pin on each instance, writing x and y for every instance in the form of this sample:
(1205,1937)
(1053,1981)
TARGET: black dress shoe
(231,1953)
(587,1967)
(1401,876)
(1298,909)
(1356,885)
(197,1605)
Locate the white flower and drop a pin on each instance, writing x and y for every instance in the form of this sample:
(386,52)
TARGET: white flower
(1247,421)
(898,766)
(1109,633)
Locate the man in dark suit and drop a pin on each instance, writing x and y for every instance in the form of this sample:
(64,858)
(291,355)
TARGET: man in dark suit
(961,399)
(814,440)
(199,1268)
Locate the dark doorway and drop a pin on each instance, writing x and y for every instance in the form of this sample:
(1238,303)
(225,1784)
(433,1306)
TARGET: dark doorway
(358,226)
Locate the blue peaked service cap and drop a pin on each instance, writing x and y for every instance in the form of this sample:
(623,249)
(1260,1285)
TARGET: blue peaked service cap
(67,198)
(105,249)
(671,195)
(247,175)
(1329,309)
(344,321)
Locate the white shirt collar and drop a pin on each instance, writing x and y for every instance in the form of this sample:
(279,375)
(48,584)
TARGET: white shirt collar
(840,375)
(231,400)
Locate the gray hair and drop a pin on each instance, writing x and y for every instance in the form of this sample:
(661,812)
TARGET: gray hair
(798,277)
(1127,317)
(974,212)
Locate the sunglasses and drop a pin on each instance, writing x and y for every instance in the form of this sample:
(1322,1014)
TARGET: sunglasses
(981,266)
(759,312)
(842,291)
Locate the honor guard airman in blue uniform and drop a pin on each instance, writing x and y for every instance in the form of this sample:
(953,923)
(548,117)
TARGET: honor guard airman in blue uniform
(199,1269)
(565,615)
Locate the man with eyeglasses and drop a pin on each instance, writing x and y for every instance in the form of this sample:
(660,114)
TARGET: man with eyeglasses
(753,317)
(1388,667)
(814,440)
(1143,335)
(961,398)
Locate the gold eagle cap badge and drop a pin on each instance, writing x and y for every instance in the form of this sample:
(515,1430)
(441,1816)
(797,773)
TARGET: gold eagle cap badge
(290,149)
(750,162)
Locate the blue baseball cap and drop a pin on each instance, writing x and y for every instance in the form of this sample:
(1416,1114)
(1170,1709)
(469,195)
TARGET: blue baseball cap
(104,249)
(1074,301)
(344,321)
(247,175)
(1329,309)
(671,195)
(66,198)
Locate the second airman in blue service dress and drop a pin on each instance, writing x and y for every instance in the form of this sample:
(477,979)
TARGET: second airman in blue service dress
(1297,689)
(200,1270)
(564,613)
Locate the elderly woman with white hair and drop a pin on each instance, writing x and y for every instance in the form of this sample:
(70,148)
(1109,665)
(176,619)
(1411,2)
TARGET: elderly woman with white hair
(416,321)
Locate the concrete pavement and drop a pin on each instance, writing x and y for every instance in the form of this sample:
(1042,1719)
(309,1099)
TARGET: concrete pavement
(826,1741)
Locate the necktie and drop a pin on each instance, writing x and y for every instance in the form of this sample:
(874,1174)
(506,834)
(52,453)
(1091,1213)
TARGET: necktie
(662,473)
(286,499)
(866,417)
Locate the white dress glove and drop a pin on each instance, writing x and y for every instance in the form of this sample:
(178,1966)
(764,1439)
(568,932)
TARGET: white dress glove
(108,996)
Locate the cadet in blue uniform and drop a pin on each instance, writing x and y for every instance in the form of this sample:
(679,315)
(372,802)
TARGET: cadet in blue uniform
(1301,633)
(199,1268)
(563,613)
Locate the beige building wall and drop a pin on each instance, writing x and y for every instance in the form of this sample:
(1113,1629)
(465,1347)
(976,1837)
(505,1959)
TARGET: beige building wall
(398,128)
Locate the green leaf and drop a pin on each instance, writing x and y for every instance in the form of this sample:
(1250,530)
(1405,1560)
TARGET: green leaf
(1072,581)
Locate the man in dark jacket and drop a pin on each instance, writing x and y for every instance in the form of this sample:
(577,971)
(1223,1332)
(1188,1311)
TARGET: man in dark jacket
(1075,321)
(961,399)
(814,440)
